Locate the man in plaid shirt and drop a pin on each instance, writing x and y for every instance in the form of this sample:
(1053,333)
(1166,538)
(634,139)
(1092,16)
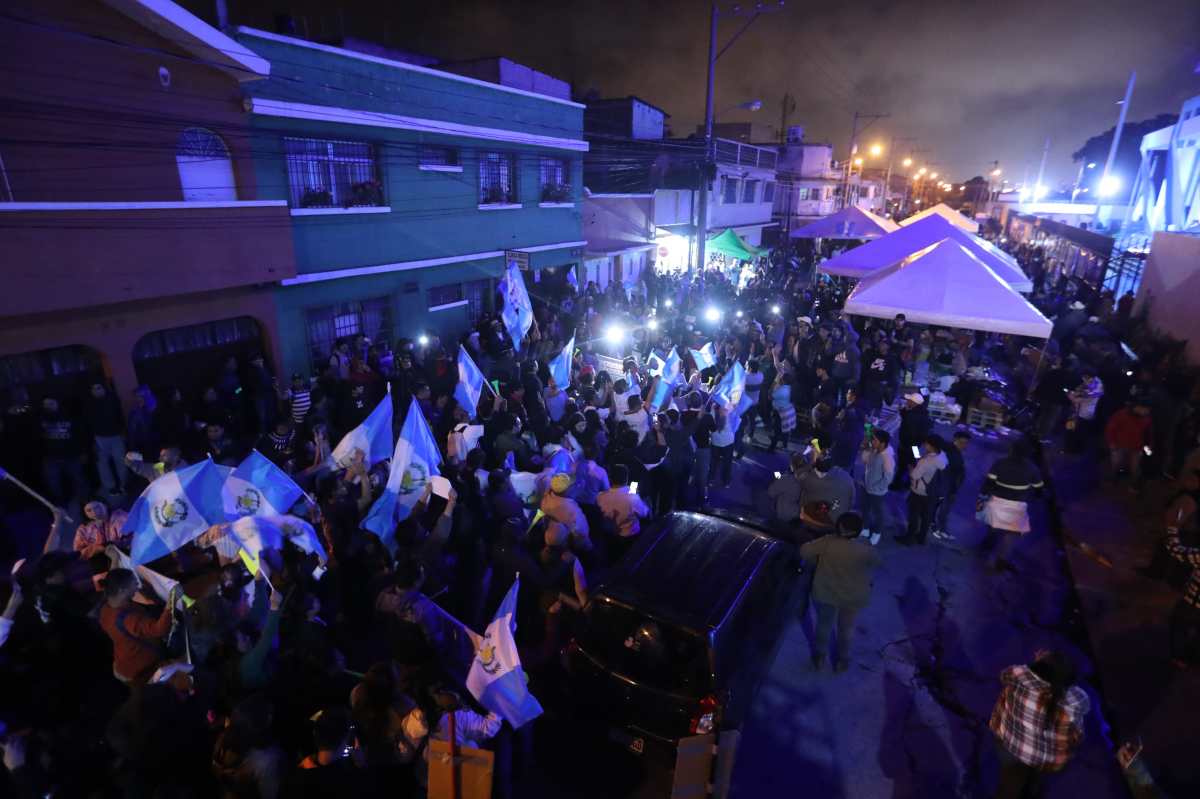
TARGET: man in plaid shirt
(1185,618)
(1037,721)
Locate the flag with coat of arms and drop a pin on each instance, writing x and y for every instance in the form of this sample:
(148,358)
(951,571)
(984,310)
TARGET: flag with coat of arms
(258,487)
(470,382)
(174,509)
(670,374)
(560,366)
(518,312)
(373,437)
(496,678)
(704,357)
(415,460)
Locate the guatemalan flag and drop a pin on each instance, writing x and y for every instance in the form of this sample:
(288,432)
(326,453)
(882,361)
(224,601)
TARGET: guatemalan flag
(704,357)
(671,369)
(373,437)
(258,487)
(496,678)
(175,509)
(517,313)
(415,460)
(470,382)
(732,386)
(560,366)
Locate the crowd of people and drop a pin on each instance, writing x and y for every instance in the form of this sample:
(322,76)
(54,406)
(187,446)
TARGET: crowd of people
(333,680)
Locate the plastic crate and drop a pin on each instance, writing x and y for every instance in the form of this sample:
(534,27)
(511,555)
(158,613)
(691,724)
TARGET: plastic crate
(943,415)
(988,420)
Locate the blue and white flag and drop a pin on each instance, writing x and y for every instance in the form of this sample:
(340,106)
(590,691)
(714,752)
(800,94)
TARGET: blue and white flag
(704,357)
(654,364)
(517,313)
(560,365)
(470,383)
(373,437)
(175,509)
(415,460)
(732,386)
(254,535)
(258,487)
(671,369)
(496,678)
(572,278)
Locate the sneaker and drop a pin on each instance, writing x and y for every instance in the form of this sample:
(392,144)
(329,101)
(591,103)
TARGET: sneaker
(942,535)
(875,539)
(865,533)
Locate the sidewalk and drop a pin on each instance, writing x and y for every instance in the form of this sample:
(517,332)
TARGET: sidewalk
(1125,615)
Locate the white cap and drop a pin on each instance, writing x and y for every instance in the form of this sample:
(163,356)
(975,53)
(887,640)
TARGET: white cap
(1077,306)
(915,398)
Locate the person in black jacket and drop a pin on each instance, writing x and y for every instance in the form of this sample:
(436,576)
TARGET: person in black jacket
(62,453)
(106,424)
(915,427)
(956,472)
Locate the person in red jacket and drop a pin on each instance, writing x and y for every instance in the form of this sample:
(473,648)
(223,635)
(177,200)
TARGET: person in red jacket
(137,634)
(1128,435)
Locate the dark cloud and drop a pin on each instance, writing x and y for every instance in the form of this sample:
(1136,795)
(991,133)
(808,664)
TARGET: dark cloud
(973,81)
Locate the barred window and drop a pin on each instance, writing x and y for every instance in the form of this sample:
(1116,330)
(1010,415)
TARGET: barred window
(433,155)
(750,190)
(729,190)
(555,179)
(479,295)
(192,338)
(444,295)
(497,178)
(330,324)
(46,366)
(769,192)
(329,174)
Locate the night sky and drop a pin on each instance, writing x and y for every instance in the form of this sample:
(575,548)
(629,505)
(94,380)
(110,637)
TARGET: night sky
(973,81)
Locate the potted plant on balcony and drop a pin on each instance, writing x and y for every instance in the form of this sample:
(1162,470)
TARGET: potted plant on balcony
(367,192)
(556,193)
(316,198)
(494,195)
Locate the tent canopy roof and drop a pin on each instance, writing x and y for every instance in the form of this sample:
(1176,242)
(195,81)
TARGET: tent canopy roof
(874,255)
(851,222)
(731,244)
(946,284)
(947,213)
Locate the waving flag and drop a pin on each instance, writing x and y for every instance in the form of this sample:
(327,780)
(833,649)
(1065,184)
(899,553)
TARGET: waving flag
(572,278)
(654,364)
(159,584)
(175,509)
(671,368)
(732,386)
(470,382)
(560,365)
(415,460)
(373,437)
(517,313)
(254,534)
(704,357)
(496,678)
(258,487)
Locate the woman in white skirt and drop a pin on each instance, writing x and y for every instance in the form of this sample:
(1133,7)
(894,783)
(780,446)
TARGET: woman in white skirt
(1004,504)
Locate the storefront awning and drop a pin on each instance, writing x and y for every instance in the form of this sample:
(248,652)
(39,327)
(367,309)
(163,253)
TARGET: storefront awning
(732,245)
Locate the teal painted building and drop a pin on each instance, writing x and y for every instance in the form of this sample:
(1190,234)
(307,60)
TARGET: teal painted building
(406,187)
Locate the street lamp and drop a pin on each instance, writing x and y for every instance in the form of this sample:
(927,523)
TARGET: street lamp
(933,175)
(996,172)
(876,149)
(921,171)
(858,162)
(907,162)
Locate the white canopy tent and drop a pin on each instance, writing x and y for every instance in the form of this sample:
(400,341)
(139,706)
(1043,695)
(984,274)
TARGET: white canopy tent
(851,222)
(945,212)
(946,284)
(875,255)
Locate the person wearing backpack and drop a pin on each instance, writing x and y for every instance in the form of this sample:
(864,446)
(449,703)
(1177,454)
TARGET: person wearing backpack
(929,484)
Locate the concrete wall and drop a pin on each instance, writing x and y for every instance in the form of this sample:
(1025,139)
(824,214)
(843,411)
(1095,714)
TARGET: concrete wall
(611,219)
(1170,285)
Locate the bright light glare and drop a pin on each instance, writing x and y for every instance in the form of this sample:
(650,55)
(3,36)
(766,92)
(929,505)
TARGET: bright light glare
(614,334)
(876,149)
(423,340)
(933,175)
(775,309)
(921,171)
(858,162)
(1091,165)
(668,303)
(1040,192)
(1110,186)
(652,324)
(907,162)
(996,173)
(711,314)
(739,314)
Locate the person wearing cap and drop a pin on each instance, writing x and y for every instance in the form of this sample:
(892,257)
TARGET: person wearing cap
(841,585)
(928,484)
(561,508)
(915,427)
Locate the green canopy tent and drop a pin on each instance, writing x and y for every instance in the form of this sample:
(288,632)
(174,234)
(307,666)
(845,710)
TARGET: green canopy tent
(732,245)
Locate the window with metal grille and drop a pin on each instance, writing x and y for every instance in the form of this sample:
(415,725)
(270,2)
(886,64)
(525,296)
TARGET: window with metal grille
(434,155)
(47,366)
(555,180)
(329,174)
(330,324)
(769,192)
(445,295)
(479,295)
(729,190)
(497,179)
(191,338)
(750,191)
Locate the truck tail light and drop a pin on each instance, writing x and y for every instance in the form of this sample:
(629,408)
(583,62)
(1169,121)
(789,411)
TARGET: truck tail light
(705,719)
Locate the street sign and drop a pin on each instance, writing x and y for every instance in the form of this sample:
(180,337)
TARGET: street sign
(516,256)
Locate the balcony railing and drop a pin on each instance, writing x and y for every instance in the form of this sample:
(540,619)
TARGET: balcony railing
(735,152)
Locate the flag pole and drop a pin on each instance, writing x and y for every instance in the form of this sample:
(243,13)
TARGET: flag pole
(10,477)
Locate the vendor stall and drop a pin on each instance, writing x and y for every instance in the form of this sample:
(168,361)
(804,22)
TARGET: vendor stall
(945,212)
(851,222)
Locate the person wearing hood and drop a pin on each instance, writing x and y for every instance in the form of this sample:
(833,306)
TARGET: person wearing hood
(846,360)
(1068,324)
(829,486)
(928,483)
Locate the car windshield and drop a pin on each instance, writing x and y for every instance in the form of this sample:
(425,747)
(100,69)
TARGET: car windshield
(648,651)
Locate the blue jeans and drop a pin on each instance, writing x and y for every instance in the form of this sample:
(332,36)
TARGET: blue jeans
(874,510)
(110,461)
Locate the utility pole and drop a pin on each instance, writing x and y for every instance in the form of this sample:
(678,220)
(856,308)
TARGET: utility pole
(1112,150)
(854,149)
(1041,171)
(887,182)
(709,163)
(787,106)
